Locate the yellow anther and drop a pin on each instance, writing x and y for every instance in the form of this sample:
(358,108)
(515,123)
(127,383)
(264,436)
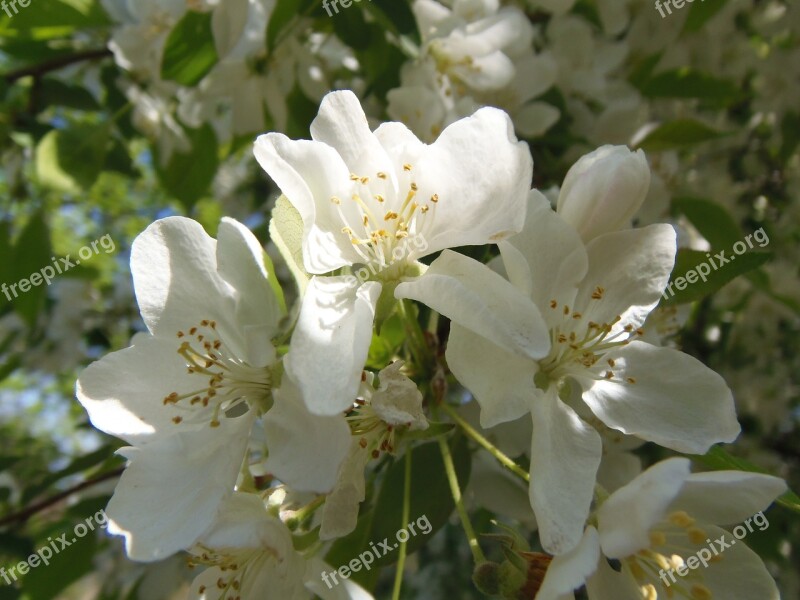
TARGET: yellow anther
(380,198)
(381,175)
(335,200)
(649,592)
(598,292)
(435,198)
(611,362)
(696,535)
(657,538)
(681,519)
(390,215)
(406,167)
(631,380)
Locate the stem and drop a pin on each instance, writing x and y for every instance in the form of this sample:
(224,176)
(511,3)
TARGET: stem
(56,63)
(416,338)
(301,514)
(487,445)
(455,489)
(401,561)
(31,510)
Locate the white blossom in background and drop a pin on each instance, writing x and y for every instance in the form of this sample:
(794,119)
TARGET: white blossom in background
(657,522)
(580,309)
(185,394)
(476,54)
(378,201)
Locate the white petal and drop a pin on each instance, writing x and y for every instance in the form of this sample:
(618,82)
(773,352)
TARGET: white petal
(633,268)
(740,574)
(331,340)
(472,295)
(342,124)
(481,175)
(607,583)
(556,258)
(626,517)
(309,174)
(495,488)
(305,450)
(565,455)
(242,521)
(174,267)
(501,382)
(676,401)
(535,118)
(569,571)
(170,492)
(728,497)
(240,260)
(124,391)
(346,590)
(398,401)
(340,513)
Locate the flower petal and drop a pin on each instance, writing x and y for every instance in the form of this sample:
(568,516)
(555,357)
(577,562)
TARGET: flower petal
(174,267)
(625,518)
(172,488)
(305,450)
(728,497)
(632,267)
(501,382)
(340,513)
(472,295)
(664,396)
(331,340)
(569,571)
(309,174)
(565,455)
(608,583)
(481,175)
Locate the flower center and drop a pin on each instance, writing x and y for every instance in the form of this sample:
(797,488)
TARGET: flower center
(228,382)
(577,345)
(375,434)
(386,222)
(233,566)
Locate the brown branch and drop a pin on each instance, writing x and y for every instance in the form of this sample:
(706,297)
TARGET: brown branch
(55,64)
(26,513)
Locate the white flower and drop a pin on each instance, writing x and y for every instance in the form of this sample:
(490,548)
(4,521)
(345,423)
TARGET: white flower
(247,552)
(668,519)
(376,202)
(185,394)
(603,190)
(570,315)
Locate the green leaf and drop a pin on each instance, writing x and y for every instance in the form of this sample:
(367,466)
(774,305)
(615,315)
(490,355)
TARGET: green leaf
(188,176)
(31,253)
(718,459)
(50,19)
(394,16)
(54,92)
(686,83)
(70,160)
(700,12)
(790,135)
(65,567)
(679,134)
(78,465)
(712,221)
(190,52)
(688,285)
(431,505)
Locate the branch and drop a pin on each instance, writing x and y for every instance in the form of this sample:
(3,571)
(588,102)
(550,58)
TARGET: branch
(26,513)
(56,63)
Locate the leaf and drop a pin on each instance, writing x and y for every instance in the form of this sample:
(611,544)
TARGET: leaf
(190,52)
(66,566)
(187,176)
(78,465)
(686,83)
(431,504)
(712,221)
(52,19)
(55,92)
(31,253)
(286,232)
(70,160)
(394,16)
(687,284)
(718,459)
(700,13)
(679,134)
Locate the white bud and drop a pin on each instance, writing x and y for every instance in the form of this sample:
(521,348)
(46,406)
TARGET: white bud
(603,190)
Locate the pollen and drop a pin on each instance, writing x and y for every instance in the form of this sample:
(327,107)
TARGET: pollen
(407,167)
(598,292)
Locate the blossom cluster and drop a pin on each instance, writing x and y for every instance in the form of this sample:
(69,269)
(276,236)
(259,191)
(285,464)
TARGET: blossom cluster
(253,426)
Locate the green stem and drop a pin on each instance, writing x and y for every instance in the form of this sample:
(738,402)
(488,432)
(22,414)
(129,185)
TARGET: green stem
(455,489)
(416,338)
(301,514)
(487,445)
(401,561)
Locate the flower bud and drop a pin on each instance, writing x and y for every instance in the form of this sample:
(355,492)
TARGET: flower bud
(603,190)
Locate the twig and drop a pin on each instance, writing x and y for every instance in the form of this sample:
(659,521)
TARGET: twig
(56,63)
